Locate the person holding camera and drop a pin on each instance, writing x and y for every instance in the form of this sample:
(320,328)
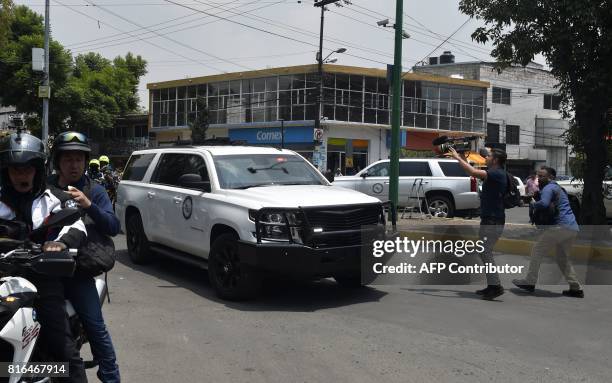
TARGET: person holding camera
(492,212)
(554,213)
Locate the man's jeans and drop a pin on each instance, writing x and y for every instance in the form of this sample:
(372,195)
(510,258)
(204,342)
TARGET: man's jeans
(82,293)
(560,239)
(491,228)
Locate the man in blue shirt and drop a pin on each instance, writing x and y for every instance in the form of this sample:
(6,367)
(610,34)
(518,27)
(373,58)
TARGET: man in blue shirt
(69,155)
(492,213)
(559,236)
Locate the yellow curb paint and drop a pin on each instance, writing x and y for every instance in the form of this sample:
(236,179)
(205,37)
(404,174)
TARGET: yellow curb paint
(521,247)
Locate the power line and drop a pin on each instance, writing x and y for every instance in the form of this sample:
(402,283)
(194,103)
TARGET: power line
(424,27)
(306,32)
(148,42)
(168,38)
(266,31)
(106,43)
(451,35)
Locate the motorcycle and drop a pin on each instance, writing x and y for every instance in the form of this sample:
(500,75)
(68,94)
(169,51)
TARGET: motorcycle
(18,322)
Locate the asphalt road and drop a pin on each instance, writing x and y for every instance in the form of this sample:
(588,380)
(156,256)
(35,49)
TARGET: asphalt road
(168,326)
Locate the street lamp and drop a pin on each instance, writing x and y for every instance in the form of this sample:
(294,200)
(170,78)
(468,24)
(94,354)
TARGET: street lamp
(325,61)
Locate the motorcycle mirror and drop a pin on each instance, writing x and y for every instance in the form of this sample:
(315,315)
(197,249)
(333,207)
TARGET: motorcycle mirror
(55,264)
(62,218)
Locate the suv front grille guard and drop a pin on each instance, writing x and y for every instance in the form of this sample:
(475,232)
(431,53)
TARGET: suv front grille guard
(296,221)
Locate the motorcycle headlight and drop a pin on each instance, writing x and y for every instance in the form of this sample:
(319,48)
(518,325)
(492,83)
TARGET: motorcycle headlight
(278,225)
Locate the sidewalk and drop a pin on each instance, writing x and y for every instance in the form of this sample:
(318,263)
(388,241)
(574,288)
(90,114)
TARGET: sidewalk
(516,239)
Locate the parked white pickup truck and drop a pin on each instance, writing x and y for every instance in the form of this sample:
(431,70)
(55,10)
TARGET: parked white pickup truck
(242,212)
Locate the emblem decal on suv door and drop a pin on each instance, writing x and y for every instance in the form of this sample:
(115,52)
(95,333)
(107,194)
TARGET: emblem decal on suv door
(187,207)
(377,188)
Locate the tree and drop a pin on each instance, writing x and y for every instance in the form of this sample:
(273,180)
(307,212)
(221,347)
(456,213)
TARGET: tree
(575,37)
(6,13)
(86,94)
(199,124)
(19,83)
(100,89)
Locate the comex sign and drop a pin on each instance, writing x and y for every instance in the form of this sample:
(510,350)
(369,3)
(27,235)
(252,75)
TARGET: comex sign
(263,136)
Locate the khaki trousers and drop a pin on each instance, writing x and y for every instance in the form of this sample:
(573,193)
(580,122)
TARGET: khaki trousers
(560,239)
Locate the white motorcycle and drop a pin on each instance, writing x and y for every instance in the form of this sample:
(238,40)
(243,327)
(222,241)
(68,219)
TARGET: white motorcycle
(18,323)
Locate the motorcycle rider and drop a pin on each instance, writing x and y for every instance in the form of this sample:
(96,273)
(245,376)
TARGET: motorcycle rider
(94,170)
(70,153)
(25,197)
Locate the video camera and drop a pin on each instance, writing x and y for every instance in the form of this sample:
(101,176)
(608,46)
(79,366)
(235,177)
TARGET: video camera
(442,144)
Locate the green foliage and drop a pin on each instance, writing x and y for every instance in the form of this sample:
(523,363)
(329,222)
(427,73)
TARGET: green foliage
(6,14)
(100,89)
(575,37)
(86,94)
(199,125)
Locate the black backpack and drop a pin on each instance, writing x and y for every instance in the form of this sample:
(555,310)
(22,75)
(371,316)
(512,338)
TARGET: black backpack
(547,216)
(97,254)
(512,196)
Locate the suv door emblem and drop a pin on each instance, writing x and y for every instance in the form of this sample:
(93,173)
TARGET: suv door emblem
(187,207)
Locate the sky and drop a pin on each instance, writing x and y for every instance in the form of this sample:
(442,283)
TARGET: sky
(191,38)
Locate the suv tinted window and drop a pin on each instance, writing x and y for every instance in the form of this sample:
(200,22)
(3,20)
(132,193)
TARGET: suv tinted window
(414,169)
(379,170)
(137,167)
(452,169)
(173,165)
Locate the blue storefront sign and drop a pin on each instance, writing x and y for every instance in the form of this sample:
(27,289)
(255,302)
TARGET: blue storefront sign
(293,135)
(403,136)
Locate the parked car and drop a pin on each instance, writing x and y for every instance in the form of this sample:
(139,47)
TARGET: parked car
(243,212)
(447,187)
(575,187)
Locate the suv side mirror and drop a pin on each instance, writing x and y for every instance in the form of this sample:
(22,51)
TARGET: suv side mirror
(364,175)
(194,181)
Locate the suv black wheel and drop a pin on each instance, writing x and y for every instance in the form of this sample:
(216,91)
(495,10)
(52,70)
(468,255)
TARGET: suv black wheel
(440,206)
(349,281)
(137,242)
(230,278)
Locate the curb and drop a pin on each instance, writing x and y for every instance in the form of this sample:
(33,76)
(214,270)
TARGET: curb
(523,247)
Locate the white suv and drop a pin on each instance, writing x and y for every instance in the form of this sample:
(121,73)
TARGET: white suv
(445,184)
(242,212)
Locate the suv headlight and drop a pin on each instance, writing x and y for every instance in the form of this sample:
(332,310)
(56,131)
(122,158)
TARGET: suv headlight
(278,225)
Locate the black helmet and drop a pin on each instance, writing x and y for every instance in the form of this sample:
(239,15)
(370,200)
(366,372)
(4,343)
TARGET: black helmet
(23,149)
(70,141)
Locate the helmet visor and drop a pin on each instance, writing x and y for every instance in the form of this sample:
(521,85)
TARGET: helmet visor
(72,141)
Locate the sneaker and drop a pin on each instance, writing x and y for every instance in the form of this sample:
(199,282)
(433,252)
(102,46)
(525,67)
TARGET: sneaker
(523,285)
(492,292)
(573,293)
(481,292)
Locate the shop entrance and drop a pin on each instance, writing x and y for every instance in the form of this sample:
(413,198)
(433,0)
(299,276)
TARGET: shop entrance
(337,155)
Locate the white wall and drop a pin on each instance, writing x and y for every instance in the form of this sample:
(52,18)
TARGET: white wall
(377,147)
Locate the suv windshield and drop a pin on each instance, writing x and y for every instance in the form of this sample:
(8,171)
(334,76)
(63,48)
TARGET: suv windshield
(242,172)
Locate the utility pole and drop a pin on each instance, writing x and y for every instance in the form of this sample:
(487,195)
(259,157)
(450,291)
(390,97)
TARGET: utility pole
(321,4)
(396,107)
(45,121)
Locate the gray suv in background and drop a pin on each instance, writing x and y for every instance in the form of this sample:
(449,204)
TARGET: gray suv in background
(445,185)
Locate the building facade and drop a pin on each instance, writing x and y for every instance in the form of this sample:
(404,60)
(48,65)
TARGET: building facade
(522,113)
(278,106)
